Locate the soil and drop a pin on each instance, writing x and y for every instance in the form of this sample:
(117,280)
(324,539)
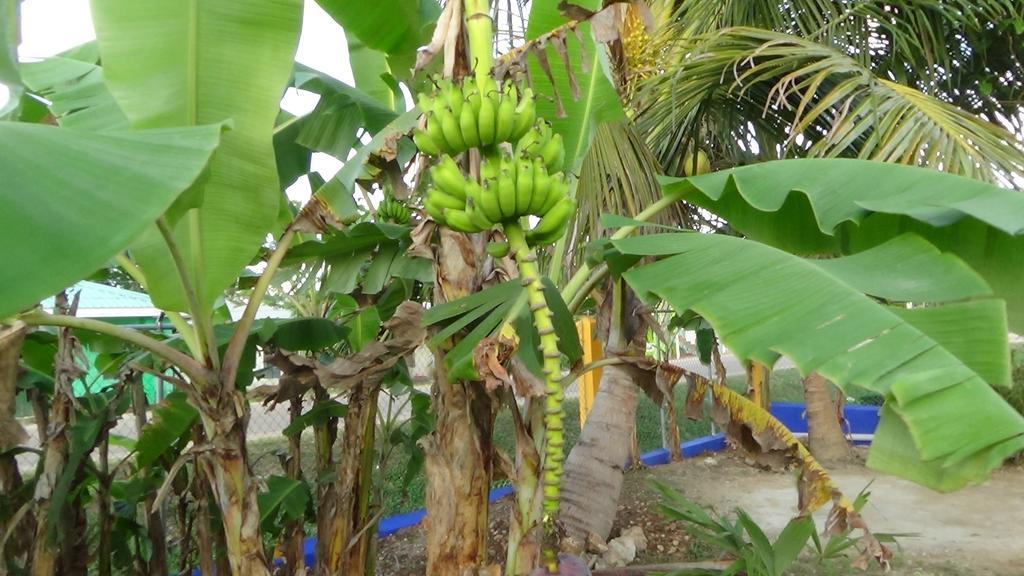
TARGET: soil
(972,532)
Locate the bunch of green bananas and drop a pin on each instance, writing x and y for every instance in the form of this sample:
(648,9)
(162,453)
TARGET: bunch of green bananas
(528,182)
(391,210)
(473,115)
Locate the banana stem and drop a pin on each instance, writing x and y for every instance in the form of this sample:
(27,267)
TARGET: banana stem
(554,438)
(480,31)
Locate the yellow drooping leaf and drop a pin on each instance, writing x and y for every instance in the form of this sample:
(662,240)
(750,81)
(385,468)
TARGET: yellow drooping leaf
(768,441)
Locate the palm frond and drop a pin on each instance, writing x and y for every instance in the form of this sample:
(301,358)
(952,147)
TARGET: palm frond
(914,35)
(618,176)
(796,97)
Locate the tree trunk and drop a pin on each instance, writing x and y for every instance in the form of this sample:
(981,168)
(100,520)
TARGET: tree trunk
(458,454)
(525,528)
(103,503)
(294,534)
(825,438)
(458,468)
(11,436)
(152,520)
(226,468)
(347,535)
(324,436)
(205,543)
(593,470)
(675,443)
(56,443)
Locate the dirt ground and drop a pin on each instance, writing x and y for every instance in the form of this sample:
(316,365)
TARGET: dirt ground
(978,531)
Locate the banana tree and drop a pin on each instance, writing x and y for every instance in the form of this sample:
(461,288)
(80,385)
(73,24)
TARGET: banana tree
(837,208)
(176,79)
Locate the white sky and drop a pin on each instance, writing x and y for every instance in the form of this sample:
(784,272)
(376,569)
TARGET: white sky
(49,27)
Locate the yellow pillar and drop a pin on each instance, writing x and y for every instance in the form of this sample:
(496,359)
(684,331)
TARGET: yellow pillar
(592,351)
(758,390)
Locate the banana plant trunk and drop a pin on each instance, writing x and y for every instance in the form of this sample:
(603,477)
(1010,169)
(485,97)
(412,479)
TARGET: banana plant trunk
(152,519)
(458,469)
(226,468)
(526,529)
(348,534)
(56,445)
(11,435)
(294,556)
(825,438)
(458,454)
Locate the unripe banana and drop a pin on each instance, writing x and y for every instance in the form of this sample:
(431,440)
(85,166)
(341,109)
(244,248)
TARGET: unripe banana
(537,241)
(442,200)
(453,98)
(524,186)
(433,130)
(488,87)
(507,194)
(506,121)
(488,203)
(426,144)
(479,219)
(435,211)
(486,121)
(452,132)
(425,102)
(509,91)
(529,144)
(475,193)
(471,95)
(553,223)
(448,178)
(489,168)
(467,125)
(526,113)
(559,189)
(497,249)
(399,213)
(553,153)
(460,221)
(541,187)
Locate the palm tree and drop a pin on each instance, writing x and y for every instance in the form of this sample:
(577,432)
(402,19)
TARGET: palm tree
(753,80)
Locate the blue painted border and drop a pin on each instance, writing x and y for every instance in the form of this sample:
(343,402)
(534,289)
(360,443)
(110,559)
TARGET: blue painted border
(861,420)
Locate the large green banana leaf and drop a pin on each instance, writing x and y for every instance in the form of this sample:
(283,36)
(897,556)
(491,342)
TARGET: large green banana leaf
(10,30)
(598,102)
(943,424)
(76,92)
(815,206)
(395,28)
(73,199)
(190,62)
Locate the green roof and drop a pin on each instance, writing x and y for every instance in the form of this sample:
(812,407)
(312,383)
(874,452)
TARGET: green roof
(95,297)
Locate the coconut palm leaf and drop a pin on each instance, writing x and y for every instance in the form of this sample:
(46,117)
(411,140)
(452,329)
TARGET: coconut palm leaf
(618,176)
(928,44)
(933,397)
(816,100)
